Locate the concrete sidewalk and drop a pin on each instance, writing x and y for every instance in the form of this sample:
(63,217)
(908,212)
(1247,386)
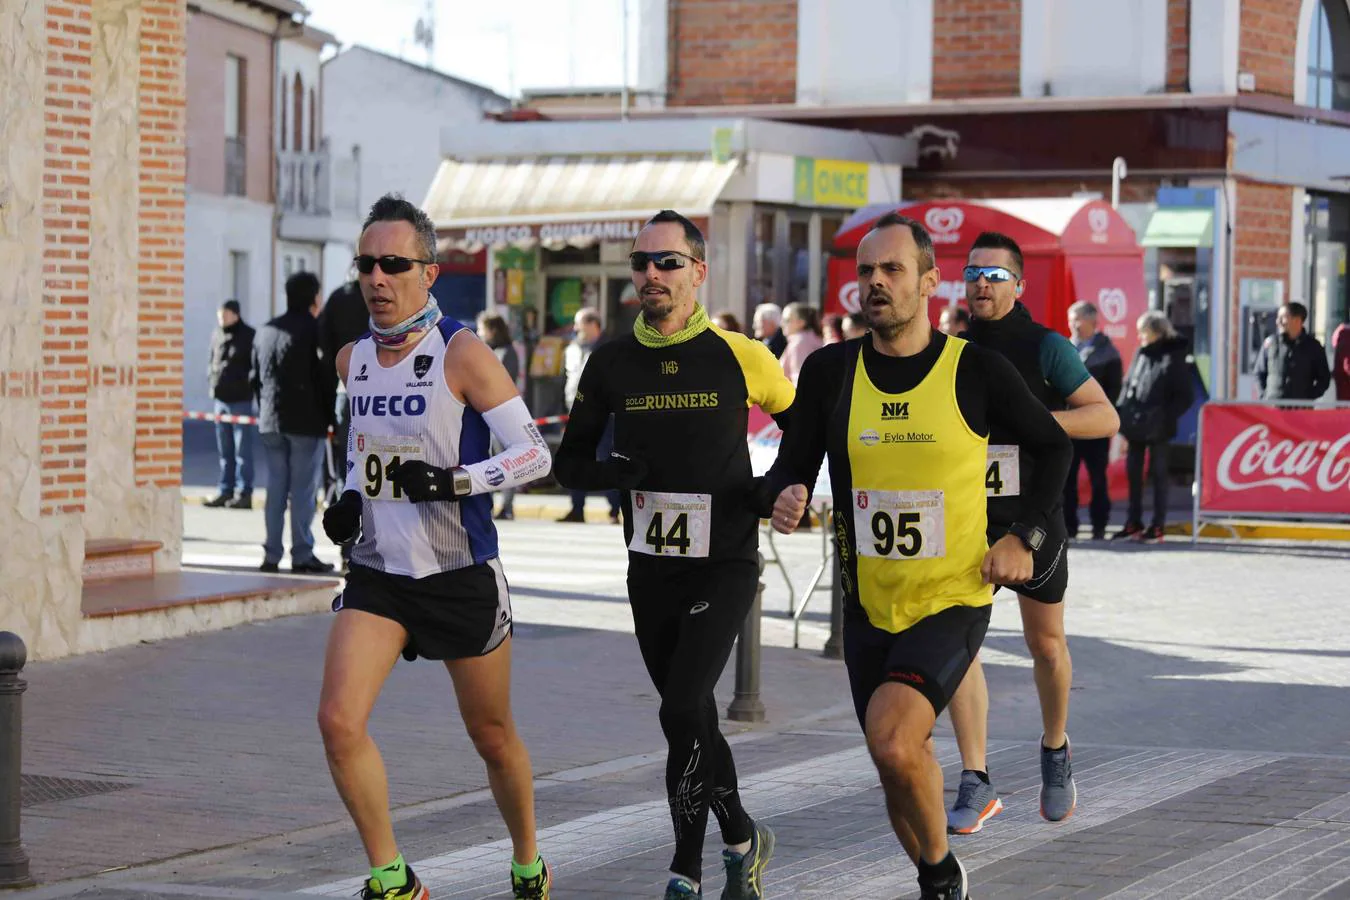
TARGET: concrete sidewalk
(1209,745)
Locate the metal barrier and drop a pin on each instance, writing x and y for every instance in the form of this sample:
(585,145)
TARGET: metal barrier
(13,859)
(828,562)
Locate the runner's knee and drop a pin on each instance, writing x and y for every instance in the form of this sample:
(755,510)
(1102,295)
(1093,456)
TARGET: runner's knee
(340,726)
(682,717)
(492,740)
(1048,649)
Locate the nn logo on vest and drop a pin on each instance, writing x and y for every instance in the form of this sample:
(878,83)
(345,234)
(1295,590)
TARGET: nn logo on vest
(893,411)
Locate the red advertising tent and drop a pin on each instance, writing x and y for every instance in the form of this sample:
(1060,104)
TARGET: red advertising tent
(1073,250)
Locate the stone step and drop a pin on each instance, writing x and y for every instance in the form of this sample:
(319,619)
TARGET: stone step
(113,559)
(190,587)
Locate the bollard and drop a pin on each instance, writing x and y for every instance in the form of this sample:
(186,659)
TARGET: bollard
(13,859)
(745,704)
(834,644)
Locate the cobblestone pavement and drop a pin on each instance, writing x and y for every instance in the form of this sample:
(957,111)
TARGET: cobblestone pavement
(1210,725)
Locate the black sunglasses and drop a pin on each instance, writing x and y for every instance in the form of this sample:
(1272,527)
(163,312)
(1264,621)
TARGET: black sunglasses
(664,260)
(390,265)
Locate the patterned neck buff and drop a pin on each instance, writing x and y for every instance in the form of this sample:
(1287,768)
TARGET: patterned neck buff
(416,325)
(648,336)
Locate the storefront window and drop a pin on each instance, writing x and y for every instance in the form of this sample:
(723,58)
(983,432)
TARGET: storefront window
(829,227)
(761,279)
(1328,236)
(799,261)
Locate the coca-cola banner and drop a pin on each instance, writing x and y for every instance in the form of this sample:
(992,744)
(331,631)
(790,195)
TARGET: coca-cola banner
(1274,461)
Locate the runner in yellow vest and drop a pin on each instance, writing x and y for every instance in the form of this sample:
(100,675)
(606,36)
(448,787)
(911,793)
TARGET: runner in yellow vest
(904,415)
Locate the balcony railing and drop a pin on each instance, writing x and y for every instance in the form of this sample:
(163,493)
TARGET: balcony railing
(316,184)
(236,167)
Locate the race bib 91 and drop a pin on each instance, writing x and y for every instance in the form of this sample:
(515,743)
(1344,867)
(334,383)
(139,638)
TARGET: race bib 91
(1002,473)
(671,524)
(900,525)
(376,454)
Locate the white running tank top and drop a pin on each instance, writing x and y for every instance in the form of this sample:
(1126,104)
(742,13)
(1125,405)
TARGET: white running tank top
(407,412)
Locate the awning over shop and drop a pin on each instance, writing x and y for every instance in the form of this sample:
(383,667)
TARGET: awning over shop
(569,199)
(1179,227)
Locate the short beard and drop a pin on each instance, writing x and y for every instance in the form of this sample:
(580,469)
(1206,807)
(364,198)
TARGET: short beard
(654,313)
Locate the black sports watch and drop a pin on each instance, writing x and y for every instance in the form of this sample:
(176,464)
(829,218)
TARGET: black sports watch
(1031,536)
(462,482)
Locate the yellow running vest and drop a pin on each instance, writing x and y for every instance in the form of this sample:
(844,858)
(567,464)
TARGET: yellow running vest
(918,498)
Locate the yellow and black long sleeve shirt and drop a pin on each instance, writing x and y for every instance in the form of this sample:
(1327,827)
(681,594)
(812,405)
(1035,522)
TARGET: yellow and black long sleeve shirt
(683,410)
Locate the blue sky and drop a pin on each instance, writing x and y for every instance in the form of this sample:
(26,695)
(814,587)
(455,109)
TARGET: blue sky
(552,43)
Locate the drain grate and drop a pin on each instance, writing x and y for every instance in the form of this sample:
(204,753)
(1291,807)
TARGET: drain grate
(35,789)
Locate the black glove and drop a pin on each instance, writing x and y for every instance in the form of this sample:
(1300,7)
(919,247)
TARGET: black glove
(420,482)
(624,473)
(342,520)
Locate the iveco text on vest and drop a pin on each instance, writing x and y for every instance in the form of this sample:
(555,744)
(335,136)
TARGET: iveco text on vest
(380,405)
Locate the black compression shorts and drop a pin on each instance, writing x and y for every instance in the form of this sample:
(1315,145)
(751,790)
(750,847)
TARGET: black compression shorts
(931,656)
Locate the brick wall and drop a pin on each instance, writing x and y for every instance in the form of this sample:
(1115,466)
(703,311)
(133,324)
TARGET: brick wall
(977,48)
(728,52)
(1269,37)
(1178,45)
(159,380)
(65,266)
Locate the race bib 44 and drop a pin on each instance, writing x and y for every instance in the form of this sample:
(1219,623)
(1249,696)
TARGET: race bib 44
(666,524)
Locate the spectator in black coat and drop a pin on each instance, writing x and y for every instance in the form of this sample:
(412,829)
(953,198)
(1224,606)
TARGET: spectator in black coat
(1102,360)
(227,374)
(1157,392)
(295,408)
(1292,365)
(344,319)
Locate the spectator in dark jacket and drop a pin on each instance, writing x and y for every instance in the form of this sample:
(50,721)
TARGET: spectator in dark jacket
(344,319)
(1102,360)
(1292,365)
(227,373)
(1340,346)
(1157,392)
(295,408)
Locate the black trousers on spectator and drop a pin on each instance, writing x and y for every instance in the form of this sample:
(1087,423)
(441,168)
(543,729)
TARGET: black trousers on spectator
(1157,472)
(1093,454)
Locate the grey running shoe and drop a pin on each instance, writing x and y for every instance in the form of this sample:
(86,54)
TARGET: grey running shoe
(976,803)
(1059,795)
(681,889)
(956,887)
(745,871)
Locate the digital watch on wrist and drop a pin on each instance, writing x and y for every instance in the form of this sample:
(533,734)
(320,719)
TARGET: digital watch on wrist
(461,481)
(1031,536)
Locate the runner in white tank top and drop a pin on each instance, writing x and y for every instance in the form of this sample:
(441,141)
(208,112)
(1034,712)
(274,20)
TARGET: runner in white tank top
(426,397)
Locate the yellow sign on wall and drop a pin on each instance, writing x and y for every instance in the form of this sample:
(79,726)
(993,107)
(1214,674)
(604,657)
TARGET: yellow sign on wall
(829,182)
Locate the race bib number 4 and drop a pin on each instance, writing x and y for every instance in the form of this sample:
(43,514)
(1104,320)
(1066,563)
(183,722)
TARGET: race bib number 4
(376,454)
(900,524)
(1002,474)
(671,524)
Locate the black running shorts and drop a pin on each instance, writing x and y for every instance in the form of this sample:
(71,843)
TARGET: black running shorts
(1050,564)
(931,656)
(450,615)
